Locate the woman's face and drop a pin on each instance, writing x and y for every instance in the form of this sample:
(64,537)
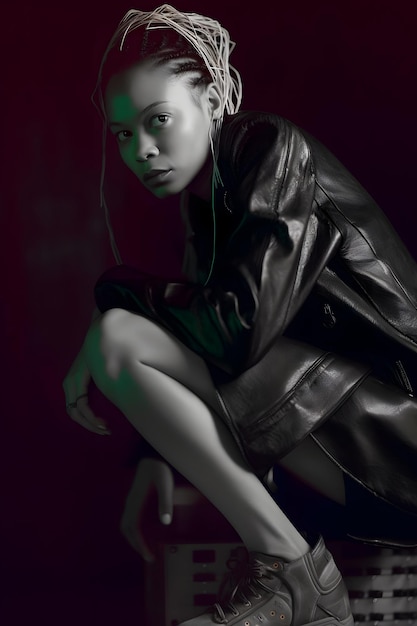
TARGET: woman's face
(162,133)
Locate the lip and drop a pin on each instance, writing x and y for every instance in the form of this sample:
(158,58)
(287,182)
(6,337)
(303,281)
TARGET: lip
(155,176)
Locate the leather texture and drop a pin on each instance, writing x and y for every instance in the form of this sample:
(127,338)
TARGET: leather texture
(308,320)
(289,393)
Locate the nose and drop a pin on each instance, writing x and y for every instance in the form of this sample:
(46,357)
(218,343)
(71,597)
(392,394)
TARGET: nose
(146,147)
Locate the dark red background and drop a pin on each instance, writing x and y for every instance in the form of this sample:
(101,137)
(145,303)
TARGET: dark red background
(345,71)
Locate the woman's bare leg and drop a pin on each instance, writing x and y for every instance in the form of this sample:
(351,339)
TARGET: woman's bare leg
(165,391)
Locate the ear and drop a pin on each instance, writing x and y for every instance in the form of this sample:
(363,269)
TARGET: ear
(214,101)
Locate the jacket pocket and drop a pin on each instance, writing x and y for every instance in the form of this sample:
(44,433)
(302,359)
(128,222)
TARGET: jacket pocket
(275,404)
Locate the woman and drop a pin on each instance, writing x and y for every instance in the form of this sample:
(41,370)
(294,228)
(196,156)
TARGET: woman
(291,337)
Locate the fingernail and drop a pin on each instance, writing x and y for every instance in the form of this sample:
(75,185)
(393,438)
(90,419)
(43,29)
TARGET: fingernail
(166,518)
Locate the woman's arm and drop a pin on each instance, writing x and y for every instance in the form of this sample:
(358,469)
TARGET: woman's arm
(76,388)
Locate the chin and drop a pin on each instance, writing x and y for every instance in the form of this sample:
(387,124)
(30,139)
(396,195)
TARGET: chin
(165,192)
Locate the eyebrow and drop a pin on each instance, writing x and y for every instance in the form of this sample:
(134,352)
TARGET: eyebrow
(145,110)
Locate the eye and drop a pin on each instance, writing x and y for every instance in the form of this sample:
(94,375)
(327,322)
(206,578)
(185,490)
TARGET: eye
(123,135)
(159,120)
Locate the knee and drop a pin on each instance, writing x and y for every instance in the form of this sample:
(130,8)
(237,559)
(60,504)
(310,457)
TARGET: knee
(105,344)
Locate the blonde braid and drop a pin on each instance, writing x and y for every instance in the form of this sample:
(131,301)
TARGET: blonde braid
(212,43)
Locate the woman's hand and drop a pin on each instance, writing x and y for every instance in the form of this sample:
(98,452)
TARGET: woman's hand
(150,473)
(76,384)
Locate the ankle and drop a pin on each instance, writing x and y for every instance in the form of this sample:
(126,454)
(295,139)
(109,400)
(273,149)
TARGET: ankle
(289,548)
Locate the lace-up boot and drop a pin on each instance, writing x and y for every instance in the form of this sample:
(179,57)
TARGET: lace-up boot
(266,591)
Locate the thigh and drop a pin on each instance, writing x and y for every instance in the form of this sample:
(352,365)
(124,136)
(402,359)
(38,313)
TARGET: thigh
(122,335)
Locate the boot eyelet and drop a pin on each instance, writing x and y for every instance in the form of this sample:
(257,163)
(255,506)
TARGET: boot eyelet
(247,604)
(282,616)
(272,613)
(247,623)
(276,565)
(257,596)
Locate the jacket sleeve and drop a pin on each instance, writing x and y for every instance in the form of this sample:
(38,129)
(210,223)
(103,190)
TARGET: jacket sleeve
(264,269)
(374,260)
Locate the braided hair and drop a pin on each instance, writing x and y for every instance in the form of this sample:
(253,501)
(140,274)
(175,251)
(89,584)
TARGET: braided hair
(188,43)
(166,34)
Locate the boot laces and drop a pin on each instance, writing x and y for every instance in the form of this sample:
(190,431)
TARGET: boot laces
(240,585)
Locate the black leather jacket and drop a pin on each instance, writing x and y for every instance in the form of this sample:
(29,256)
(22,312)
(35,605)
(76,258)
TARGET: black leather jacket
(311,296)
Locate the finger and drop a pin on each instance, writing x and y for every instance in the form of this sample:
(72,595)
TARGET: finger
(164,482)
(85,410)
(90,422)
(76,416)
(75,393)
